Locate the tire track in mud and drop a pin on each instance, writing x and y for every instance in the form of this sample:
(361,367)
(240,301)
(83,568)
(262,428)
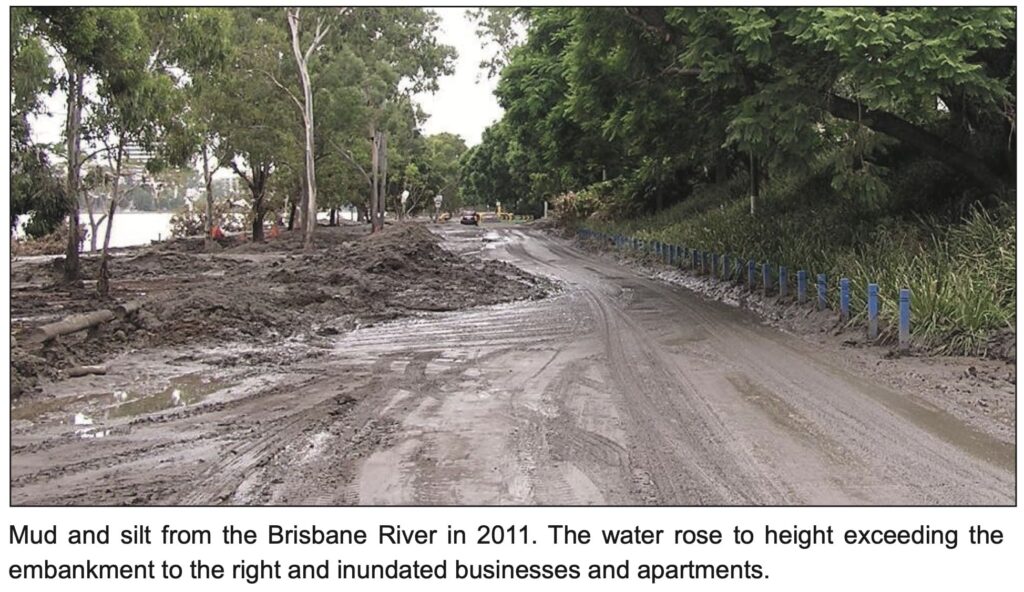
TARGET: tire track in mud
(796,427)
(681,452)
(620,389)
(827,409)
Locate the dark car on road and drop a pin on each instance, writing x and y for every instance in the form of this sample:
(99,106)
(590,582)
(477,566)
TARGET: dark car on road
(470,217)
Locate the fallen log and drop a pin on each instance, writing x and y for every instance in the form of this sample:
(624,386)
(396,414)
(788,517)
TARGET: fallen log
(81,322)
(72,324)
(86,370)
(127,308)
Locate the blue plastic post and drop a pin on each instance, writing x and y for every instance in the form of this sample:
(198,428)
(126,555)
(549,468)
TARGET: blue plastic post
(766,276)
(844,299)
(904,319)
(801,286)
(783,281)
(822,303)
(872,311)
(750,274)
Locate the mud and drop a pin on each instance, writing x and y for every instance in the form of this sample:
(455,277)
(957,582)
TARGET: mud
(980,391)
(619,388)
(252,292)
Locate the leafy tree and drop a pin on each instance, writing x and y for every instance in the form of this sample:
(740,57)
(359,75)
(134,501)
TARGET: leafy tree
(652,101)
(199,40)
(252,117)
(35,188)
(434,169)
(90,42)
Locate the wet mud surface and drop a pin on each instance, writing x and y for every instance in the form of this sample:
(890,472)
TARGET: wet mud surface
(617,388)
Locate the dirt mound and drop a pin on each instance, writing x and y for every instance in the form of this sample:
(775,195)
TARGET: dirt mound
(255,292)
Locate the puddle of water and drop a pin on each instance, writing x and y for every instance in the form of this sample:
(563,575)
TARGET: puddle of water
(35,410)
(183,391)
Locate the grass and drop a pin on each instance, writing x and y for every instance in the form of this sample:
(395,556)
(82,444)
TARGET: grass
(962,274)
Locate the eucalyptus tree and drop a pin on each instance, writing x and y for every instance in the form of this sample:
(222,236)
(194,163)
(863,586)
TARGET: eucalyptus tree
(401,56)
(253,118)
(199,41)
(132,114)
(304,48)
(91,43)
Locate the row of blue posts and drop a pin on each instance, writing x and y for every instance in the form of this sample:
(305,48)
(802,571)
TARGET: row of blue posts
(705,262)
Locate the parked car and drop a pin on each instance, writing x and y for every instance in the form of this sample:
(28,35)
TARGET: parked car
(470,217)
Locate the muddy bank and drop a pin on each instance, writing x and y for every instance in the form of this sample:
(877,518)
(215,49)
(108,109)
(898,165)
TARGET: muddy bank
(255,293)
(980,391)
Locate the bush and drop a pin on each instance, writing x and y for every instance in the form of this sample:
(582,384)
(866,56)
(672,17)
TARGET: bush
(190,220)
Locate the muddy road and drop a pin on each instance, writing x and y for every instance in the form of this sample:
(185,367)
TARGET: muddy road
(620,389)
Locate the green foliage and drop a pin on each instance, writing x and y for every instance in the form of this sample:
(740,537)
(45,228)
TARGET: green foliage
(670,98)
(962,274)
(36,191)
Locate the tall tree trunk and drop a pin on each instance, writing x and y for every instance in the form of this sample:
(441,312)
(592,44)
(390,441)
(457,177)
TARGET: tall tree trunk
(103,281)
(208,185)
(294,205)
(73,133)
(303,205)
(383,192)
(94,226)
(755,183)
(259,212)
(259,206)
(94,222)
(302,63)
(375,218)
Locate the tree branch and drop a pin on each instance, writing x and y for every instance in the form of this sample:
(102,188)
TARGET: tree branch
(348,156)
(317,38)
(652,19)
(93,154)
(285,89)
(241,174)
(916,136)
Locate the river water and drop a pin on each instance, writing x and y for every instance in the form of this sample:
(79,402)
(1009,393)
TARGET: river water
(129,229)
(132,228)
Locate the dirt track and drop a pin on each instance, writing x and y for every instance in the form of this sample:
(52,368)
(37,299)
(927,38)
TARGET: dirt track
(619,390)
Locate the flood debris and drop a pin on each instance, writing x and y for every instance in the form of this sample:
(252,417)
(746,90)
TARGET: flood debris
(178,293)
(86,370)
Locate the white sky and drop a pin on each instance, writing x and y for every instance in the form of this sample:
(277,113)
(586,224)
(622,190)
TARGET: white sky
(464,105)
